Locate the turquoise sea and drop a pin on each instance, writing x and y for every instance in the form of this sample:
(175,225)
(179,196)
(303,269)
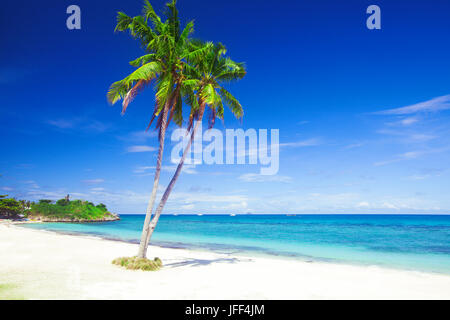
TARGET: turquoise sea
(415,242)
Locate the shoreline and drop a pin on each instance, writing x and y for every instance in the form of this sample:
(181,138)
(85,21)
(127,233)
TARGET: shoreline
(241,252)
(41,264)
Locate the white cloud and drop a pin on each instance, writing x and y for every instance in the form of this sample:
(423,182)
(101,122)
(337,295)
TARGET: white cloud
(79,123)
(304,143)
(140,136)
(408,136)
(143,169)
(93,181)
(187,168)
(355,145)
(419,177)
(363,204)
(57,194)
(411,154)
(407,156)
(255,177)
(421,137)
(408,121)
(61,123)
(140,149)
(97,189)
(389,205)
(31,184)
(433,105)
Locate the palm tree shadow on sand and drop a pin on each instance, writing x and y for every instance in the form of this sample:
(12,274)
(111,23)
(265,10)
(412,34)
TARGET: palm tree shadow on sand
(202,262)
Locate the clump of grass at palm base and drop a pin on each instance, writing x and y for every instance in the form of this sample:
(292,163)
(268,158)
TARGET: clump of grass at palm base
(135,263)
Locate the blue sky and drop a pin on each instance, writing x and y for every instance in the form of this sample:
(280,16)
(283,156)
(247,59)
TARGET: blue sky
(363,113)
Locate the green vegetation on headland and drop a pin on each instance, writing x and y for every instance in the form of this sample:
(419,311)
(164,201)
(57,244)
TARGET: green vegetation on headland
(11,208)
(62,210)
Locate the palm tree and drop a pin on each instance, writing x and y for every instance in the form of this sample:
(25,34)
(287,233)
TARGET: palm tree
(209,71)
(168,48)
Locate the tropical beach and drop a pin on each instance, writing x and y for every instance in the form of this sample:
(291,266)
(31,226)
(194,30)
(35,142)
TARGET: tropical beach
(189,149)
(36,264)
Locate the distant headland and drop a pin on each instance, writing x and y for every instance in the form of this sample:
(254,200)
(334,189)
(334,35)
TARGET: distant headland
(63,210)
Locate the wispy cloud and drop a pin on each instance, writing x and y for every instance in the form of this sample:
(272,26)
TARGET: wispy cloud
(400,157)
(408,136)
(24,166)
(61,123)
(408,121)
(433,105)
(254,177)
(144,170)
(419,177)
(140,136)
(31,184)
(427,173)
(303,143)
(355,145)
(97,189)
(93,181)
(187,168)
(410,155)
(134,149)
(83,124)
(199,189)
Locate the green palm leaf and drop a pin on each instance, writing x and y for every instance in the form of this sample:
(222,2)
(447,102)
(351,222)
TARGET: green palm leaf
(232,103)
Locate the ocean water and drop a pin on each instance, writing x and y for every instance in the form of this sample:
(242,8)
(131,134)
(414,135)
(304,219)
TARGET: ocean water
(414,242)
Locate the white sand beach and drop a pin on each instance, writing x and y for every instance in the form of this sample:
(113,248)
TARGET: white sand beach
(36,264)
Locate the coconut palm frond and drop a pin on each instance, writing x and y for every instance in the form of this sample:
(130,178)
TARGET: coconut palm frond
(132,93)
(232,103)
(117,91)
(143,60)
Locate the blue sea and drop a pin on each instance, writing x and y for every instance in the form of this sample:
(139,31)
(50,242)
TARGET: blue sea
(414,242)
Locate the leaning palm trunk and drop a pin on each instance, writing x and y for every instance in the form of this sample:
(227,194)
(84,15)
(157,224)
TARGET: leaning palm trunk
(145,230)
(176,175)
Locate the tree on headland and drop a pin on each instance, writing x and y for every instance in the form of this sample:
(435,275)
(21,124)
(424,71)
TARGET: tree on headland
(10,207)
(101,206)
(62,202)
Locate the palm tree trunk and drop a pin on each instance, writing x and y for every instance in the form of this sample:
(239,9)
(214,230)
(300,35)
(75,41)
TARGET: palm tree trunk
(142,253)
(175,176)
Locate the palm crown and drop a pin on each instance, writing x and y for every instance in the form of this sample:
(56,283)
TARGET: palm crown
(211,70)
(167,50)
